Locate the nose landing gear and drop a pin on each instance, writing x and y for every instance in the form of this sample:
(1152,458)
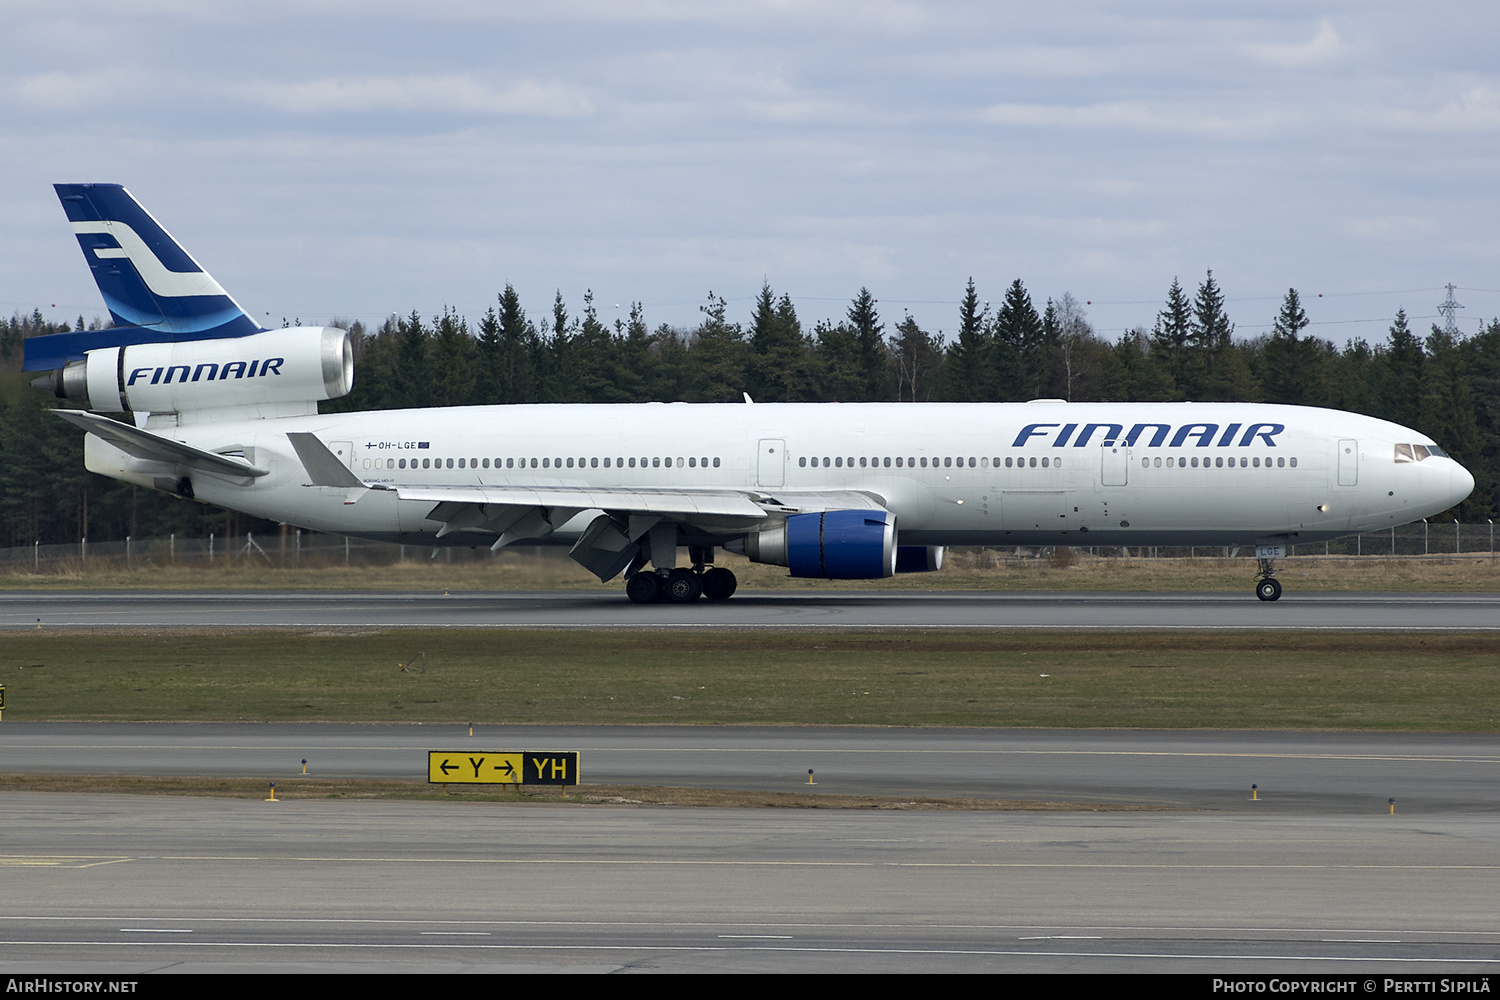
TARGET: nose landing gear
(1268,589)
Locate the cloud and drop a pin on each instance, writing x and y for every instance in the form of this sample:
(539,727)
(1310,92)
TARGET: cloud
(67,91)
(1475,109)
(1325,47)
(454,93)
(1135,116)
(1387,228)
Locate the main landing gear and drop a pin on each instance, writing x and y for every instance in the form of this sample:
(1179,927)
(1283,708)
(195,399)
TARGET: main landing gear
(681,586)
(1267,587)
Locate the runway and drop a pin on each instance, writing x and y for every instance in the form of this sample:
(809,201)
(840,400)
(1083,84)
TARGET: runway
(1315,875)
(121,884)
(799,609)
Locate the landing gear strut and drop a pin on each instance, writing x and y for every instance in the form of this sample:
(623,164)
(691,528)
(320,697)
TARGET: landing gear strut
(1267,587)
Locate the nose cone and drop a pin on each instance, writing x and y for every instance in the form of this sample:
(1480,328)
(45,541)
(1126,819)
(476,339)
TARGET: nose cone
(1460,484)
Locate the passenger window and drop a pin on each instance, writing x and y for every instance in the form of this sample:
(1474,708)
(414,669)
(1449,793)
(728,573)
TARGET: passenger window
(716,463)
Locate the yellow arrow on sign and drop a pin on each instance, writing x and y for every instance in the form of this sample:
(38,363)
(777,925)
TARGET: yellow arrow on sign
(469,767)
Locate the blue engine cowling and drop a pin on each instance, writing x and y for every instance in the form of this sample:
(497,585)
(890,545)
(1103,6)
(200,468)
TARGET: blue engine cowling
(831,545)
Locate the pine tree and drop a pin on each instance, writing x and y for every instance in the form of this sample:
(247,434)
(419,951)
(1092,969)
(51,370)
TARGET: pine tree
(1285,360)
(719,357)
(518,349)
(874,355)
(1401,362)
(452,359)
(968,371)
(1016,342)
(1172,335)
(780,357)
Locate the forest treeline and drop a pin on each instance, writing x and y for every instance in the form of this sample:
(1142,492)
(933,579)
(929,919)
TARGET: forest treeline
(1443,385)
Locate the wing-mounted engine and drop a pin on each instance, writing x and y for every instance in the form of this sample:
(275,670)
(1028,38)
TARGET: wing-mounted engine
(830,544)
(278,372)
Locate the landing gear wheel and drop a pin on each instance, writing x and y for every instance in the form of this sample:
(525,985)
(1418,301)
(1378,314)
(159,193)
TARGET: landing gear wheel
(644,588)
(1268,589)
(719,584)
(683,586)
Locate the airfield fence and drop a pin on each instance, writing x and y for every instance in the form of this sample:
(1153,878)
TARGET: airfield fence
(294,548)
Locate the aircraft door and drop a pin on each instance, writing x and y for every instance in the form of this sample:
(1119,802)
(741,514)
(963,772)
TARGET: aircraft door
(1348,462)
(1114,469)
(343,451)
(770,466)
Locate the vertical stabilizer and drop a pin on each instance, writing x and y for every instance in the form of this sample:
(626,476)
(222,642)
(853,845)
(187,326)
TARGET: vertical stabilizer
(155,291)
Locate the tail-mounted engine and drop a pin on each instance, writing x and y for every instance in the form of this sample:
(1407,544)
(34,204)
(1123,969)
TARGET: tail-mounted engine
(301,364)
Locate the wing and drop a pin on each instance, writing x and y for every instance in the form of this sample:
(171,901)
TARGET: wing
(628,525)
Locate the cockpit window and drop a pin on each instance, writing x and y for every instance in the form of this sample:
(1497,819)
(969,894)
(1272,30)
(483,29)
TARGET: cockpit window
(1417,452)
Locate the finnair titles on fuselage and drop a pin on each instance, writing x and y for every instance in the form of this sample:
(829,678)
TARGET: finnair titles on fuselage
(227,413)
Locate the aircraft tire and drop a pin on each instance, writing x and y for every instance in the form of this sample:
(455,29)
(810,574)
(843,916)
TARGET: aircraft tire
(719,584)
(644,588)
(683,586)
(1268,589)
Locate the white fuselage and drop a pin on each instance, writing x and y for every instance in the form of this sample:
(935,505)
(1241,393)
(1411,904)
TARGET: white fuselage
(1037,473)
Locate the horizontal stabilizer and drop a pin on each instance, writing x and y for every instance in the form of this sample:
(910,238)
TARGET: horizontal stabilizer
(145,444)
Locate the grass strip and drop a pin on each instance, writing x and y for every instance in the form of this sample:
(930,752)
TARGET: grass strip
(301,789)
(1177,680)
(965,569)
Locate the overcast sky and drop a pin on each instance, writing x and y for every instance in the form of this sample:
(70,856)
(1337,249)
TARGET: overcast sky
(353,159)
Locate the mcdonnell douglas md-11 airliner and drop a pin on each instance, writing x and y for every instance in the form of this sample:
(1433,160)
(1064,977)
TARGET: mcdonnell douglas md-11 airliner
(226,412)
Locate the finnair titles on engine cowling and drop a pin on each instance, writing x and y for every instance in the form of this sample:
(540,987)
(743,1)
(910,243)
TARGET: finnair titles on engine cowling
(187,394)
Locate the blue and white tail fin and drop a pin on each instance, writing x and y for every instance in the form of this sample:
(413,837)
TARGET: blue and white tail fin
(155,291)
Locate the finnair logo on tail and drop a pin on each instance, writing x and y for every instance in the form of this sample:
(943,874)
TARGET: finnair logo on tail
(171,284)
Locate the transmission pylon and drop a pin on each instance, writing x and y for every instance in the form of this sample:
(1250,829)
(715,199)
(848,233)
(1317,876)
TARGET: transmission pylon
(1449,307)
